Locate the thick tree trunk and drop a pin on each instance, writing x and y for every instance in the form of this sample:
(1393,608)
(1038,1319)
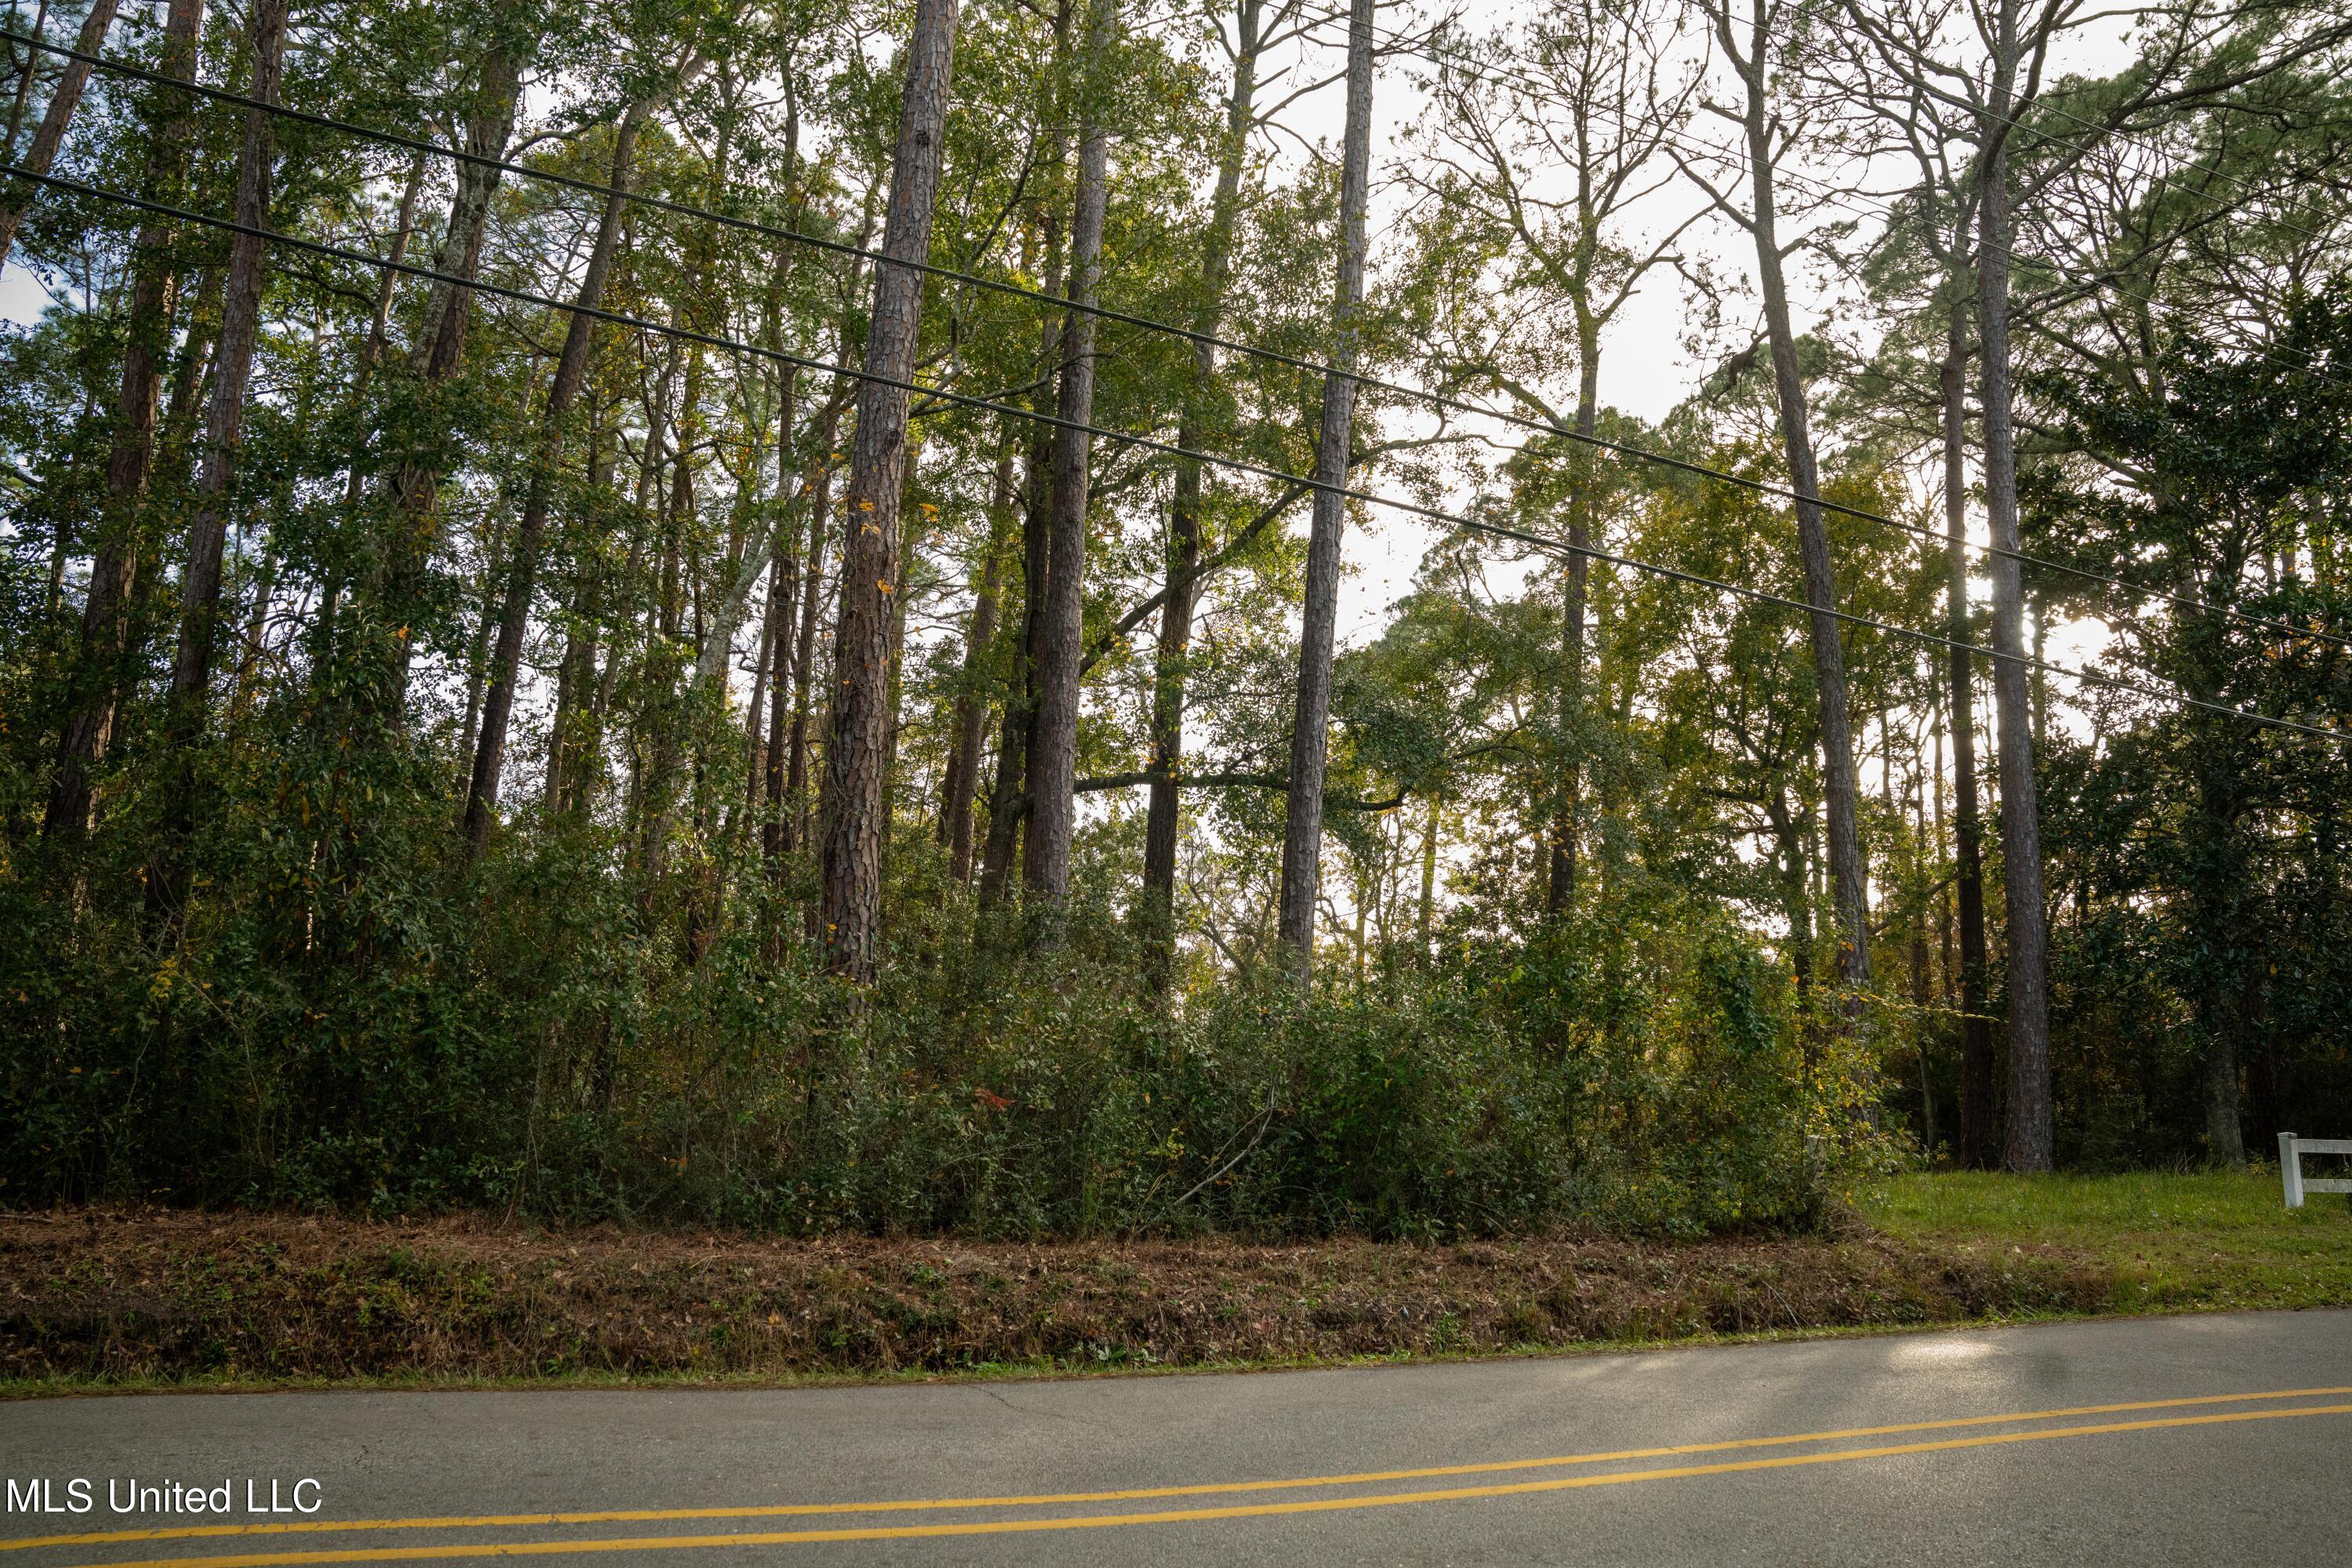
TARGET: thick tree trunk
(1163,815)
(910,546)
(1007,803)
(2228,984)
(1008,809)
(1849,891)
(804,650)
(1302,833)
(1560,889)
(16,195)
(522,569)
(1979,1126)
(103,667)
(861,718)
(1054,754)
(2028,1146)
(972,705)
(200,581)
(784,626)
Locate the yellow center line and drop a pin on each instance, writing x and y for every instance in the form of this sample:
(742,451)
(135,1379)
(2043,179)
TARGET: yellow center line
(1192,1515)
(1132,1494)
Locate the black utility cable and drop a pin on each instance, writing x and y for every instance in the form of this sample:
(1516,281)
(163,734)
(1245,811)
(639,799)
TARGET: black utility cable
(783,356)
(1434,399)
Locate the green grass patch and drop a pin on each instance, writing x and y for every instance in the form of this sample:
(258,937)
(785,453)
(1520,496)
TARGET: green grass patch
(2202,1240)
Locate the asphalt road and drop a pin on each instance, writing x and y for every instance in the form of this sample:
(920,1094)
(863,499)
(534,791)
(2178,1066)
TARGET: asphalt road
(2207,1440)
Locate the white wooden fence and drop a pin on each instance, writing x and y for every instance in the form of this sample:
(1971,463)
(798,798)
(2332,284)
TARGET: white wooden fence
(2292,1149)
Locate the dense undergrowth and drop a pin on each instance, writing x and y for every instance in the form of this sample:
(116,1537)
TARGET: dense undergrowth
(512,1045)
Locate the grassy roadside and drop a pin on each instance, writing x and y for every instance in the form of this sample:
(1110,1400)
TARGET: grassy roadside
(104,1299)
(2205,1241)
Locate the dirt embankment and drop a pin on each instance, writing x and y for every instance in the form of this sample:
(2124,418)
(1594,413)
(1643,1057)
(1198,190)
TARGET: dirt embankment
(119,1294)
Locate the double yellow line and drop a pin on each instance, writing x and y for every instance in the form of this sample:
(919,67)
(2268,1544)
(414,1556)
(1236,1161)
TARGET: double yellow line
(1175,1516)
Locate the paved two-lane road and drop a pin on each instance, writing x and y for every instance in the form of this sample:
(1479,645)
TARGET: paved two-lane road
(2205,1440)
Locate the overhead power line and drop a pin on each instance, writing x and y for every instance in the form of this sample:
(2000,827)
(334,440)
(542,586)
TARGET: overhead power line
(1422,394)
(1449,520)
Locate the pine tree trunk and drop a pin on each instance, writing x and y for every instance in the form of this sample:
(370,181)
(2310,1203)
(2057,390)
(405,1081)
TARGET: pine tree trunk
(1560,891)
(522,569)
(972,706)
(784,626)
(2028,1145)
(855,759)
(16,196)
(103,665)
(1054,755)
(200,580)
(804,651)
(1302,834)
(1849,889)
(1008,809)
(910,543)
(1979,1126)
(1163,815)
(24,96)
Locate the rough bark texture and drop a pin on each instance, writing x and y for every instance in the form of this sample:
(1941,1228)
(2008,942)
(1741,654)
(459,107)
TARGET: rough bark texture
(200,580)
(861,719)
(783,628)
(2027,1146)
(1302,834)
(1008,807)
(1979,1126)
(100,670)
(1008,801)
(972,707)
(1163,815)
(16,196)
(1849,891)
(522,569)
(2227,991)
(804,647)
(1561,888)
(1054,755)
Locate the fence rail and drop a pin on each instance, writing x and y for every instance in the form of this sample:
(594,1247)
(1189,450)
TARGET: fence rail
(2292,1149)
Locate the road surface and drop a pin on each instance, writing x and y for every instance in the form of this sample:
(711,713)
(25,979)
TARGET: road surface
(2214,1440)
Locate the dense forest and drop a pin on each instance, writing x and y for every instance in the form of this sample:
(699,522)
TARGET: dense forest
(763,612)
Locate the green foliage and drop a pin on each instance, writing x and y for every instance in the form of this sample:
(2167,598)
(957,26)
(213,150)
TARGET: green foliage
(511,1042)
(1572,964)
